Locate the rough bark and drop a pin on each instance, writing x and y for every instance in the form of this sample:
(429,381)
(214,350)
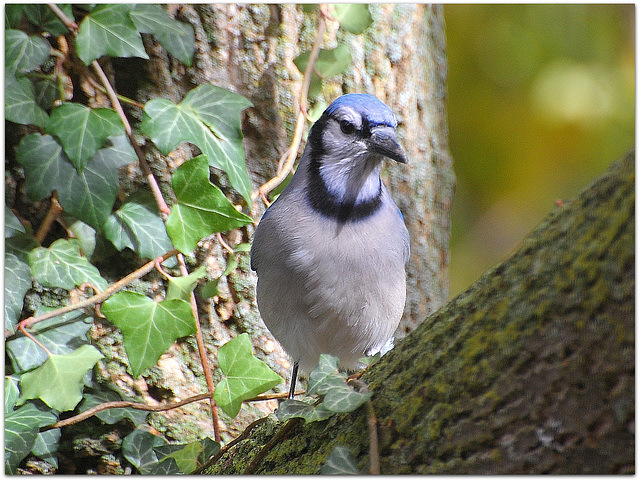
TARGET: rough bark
(530,370)
(250,49)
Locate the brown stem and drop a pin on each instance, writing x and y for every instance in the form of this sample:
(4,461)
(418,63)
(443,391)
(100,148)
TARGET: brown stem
(101,297)
(202,352)
(121,98)
(24,331)
(124,404)
(70,24)
(226,246)
(55,209)
(155,188)
(269,397)
(141,406)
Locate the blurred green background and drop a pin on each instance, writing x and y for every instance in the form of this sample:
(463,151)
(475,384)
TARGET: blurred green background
(541,101)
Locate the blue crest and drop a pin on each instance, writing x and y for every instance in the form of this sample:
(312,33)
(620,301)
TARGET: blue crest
(371,108)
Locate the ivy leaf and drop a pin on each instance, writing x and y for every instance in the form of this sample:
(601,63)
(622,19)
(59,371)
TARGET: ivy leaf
(186,457)
(60,380)
(61,335)
(326,380)
(340,462)
(177,37)
(12,15)
(43,17)
(61,265)
(12,226)
(201,208)
(210,289)
(110,416)
(344,399)
(353,17)
(118,152)
(246,375)
(181,287)
(209,449)
(329,64)
(293,408)
(17,275)
(20,432)
(208,117)
(20,104)
(83,233)
(137,448)
(88,196)
(46,446)
(17,281)
(138,226)
(46,92)
(82,130)
(11,394)
(108,30)
(44,162)
(325,376)
(149,328)
(21,244)
(24,53)
(167,467)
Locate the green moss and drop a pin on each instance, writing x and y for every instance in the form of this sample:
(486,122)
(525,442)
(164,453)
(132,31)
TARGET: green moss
(533,335)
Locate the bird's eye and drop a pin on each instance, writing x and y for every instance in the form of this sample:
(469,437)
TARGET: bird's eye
(347,127)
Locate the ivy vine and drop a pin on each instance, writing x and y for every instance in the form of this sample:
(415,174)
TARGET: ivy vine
(71,153)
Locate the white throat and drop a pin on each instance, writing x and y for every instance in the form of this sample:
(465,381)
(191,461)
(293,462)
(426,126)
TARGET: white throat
(352,179)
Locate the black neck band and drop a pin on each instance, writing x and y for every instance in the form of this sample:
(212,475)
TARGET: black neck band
(325,202)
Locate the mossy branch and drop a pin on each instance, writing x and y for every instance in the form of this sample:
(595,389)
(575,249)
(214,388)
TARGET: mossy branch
(530,370)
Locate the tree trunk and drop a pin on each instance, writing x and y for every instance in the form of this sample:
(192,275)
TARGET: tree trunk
(250,49)
(530,370)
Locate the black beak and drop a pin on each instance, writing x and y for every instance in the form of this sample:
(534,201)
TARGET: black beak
(383,141)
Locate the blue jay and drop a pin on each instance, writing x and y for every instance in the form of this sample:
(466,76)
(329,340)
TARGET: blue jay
(330,252)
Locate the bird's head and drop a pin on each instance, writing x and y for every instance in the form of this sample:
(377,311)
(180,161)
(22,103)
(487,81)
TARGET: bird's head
(356,127)
(344,151)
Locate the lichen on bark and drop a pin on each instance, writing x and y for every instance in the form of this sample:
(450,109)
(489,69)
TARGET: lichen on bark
(530,370)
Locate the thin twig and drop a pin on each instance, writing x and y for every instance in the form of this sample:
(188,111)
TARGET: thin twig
(300,121)
(226,246)
(161,270)
(55,209)
(288,165)
(101,297)
(24,331)
(374,454)
(269,397)
(120,97)
(70,24)
(153,184)
(125,404)
(202,352)
(139,406)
